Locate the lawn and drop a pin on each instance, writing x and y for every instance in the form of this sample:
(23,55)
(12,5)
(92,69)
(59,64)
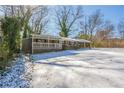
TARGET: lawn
(103,67)
(79,68)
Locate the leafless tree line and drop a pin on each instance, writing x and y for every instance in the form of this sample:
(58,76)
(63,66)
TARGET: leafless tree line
(33,17)
(92,26)
(121,29)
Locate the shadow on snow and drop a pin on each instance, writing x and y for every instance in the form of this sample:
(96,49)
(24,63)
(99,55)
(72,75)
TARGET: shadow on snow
(42,56)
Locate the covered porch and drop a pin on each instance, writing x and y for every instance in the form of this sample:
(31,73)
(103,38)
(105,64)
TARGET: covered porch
(41,43)
(69,43)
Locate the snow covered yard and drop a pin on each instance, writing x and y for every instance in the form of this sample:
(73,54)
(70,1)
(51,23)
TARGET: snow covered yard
(100,67)
(79,68)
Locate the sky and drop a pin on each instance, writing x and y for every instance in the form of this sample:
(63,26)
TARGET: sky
(113,13)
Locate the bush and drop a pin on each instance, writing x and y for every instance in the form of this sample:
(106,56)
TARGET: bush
(97,44)
(4,57)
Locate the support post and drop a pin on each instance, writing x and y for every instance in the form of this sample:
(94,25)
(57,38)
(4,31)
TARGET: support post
(84,45)
(48,43)
(32,45)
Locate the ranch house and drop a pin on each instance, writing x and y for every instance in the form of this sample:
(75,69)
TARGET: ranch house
(44,43)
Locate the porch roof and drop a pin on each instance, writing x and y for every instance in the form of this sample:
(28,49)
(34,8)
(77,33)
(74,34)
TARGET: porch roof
(75,40)
(61,38)
(44,36)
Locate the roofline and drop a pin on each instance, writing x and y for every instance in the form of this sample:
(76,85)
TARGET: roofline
(58,37)
(76,40)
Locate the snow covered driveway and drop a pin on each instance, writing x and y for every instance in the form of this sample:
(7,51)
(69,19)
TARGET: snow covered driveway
(79,68)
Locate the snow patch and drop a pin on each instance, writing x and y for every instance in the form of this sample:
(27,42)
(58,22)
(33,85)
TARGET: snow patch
(15,76)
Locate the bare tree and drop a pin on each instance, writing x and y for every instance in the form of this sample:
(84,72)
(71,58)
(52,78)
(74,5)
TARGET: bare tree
(67,16)
(121,29)
(84,33)
(26,14)
(39,20)
(17,10)
(91,24)
(105,32)
(22,12)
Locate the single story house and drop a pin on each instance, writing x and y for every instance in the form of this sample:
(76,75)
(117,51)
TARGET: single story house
(41,43)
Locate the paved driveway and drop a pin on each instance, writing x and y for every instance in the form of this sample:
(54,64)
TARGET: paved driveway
(81,68)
